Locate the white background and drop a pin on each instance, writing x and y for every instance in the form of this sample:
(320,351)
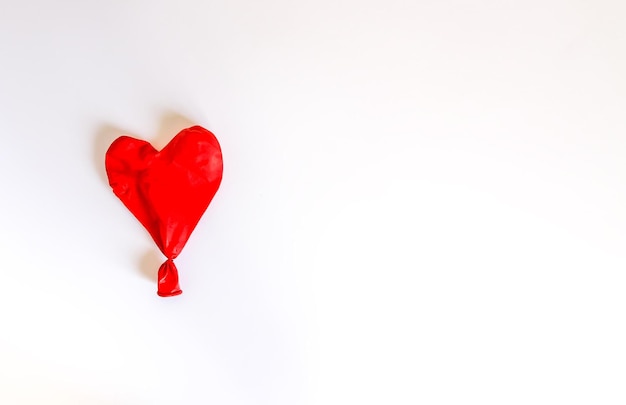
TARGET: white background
(424,202)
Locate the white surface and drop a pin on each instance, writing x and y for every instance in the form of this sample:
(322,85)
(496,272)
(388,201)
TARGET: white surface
(424,202)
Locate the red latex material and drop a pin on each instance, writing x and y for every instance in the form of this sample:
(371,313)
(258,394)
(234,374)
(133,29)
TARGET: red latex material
(168,280)
(167,190)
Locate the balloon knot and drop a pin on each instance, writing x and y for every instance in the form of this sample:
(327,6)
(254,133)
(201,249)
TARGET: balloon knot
(168,280)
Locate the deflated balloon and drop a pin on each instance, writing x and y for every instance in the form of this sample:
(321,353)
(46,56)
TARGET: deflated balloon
(167,190)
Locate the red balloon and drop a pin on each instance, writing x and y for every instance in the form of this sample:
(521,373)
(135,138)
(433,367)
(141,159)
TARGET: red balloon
(167,190)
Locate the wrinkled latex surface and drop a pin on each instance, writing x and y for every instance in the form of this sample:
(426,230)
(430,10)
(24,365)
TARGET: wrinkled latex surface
(167,190)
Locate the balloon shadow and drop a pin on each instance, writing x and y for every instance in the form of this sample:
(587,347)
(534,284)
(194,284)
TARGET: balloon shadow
(149,265)
(170,124)
(105,135)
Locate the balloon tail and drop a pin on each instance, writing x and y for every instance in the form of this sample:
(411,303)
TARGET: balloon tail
(168,280)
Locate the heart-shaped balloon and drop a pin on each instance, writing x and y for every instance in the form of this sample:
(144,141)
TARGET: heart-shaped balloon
(167,190)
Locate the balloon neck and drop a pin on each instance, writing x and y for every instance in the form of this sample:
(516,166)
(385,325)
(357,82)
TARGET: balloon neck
(168,280)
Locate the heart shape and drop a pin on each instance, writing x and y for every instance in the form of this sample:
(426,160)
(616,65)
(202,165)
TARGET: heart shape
(167,190)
